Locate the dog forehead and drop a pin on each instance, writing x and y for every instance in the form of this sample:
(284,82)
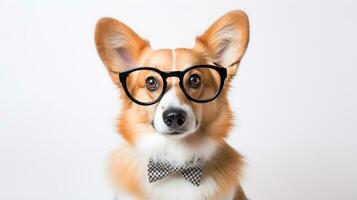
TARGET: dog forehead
(187,57)
(172,59)
(161,59)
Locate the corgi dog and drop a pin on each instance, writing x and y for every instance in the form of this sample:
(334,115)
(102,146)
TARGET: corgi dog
(175,114)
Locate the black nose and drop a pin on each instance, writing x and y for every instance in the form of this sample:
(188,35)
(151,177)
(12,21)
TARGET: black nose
(174,118)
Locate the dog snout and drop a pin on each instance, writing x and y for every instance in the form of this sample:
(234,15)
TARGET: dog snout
(174,118)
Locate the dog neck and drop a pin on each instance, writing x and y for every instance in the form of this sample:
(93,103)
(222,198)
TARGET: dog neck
(158,147)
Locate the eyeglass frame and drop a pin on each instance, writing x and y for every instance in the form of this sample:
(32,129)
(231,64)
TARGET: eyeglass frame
(222,71)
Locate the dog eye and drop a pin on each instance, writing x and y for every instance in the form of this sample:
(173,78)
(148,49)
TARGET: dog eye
(194,81)
(152,83)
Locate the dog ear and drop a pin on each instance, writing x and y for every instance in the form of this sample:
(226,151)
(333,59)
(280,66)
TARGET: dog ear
(226,40)
(118,46)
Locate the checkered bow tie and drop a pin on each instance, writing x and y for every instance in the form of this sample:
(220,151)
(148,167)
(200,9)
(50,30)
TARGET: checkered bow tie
(160,169)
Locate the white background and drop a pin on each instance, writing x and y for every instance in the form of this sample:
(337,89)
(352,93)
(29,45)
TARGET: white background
(295,97)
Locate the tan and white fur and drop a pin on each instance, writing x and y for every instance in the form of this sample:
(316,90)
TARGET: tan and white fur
(208,124)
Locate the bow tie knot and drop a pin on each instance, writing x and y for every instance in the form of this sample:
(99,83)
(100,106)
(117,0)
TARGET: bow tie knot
(190,171)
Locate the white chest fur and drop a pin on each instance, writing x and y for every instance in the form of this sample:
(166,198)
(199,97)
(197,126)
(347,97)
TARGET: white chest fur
(177,188)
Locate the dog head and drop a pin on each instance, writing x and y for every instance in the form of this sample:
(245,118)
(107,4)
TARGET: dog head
(174,115)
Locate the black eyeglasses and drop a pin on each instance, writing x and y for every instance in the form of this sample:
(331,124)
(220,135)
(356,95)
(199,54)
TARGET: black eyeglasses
(147,85)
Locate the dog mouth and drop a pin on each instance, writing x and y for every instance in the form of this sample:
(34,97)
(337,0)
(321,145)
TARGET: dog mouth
(170,132)
(177,131)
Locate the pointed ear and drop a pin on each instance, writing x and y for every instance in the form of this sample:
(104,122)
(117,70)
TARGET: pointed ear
(118,46)
(226,40)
